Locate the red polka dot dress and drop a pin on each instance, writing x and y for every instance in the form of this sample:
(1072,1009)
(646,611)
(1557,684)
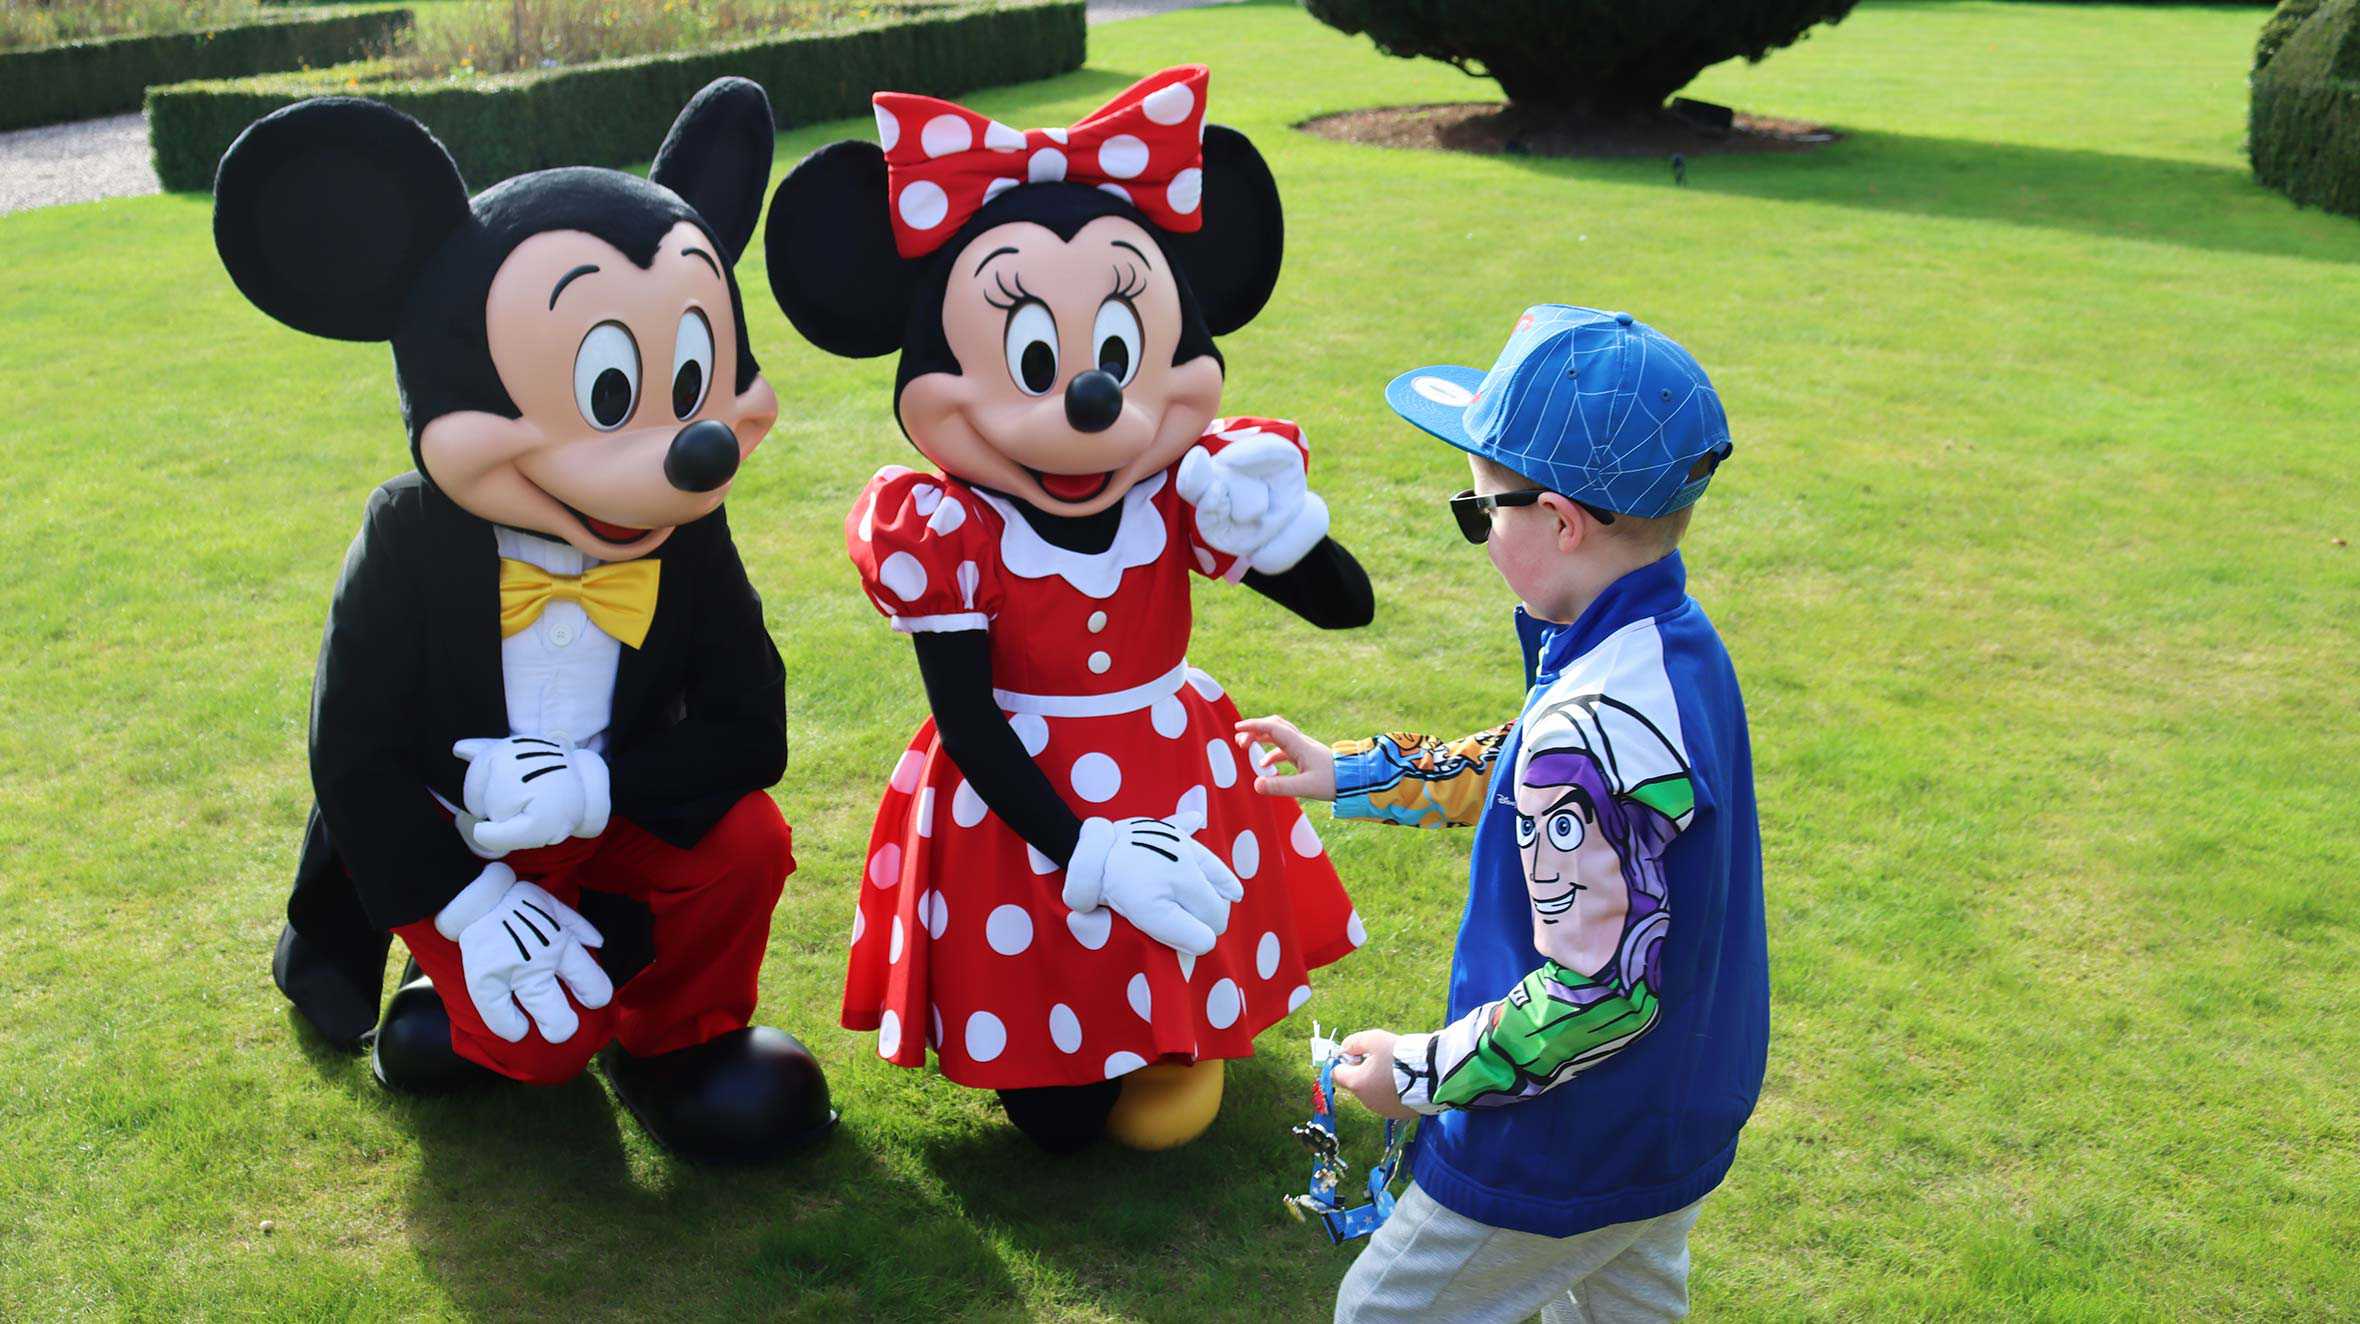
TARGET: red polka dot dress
(963,942)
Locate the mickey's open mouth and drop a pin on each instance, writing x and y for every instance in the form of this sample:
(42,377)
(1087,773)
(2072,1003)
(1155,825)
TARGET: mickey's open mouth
(614,533)
(1072,487)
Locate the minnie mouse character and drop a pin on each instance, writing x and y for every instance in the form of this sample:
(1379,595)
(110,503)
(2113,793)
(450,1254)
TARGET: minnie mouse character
(1072,893)
(546,691)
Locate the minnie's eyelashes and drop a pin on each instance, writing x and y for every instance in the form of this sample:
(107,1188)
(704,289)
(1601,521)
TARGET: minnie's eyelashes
(1128,283)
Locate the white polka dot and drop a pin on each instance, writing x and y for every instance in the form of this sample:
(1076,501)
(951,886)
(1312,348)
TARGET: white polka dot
(1141,997)
(1090,927)
(1009,930)
(986,1036)
(888,1034)
(1204,684)
(945,134)
(1222,762)
(969,577)
(1355,932)
(948,516)
(1123,1064)
(1065,1028)
(1223,1004)
(1096,778)
(1169,105)
(1116,190)
(924,204)
(1443,391)
(1122,156)
(868,520)
(934,912)
(925,496)
(1033,730)
(1041,864)
(888,129)
(1047,166)
(1097,622)
(1192,801)
(893,953)
(1186,190)
(1305,838)
(885,865)
(1055,135)
(905,772)
(926,812)
(967,808)
(1266,956)
(1187,966)
(902,574)
(1170,717)
(1204,560)
(1000,138)
(1246,855)
(997,187)
(1296,999)
(1100,662)
(934,1035)
(860,925)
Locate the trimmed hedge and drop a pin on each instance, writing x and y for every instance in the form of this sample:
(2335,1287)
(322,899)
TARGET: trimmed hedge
(616,112)
(2305,133)
(108,75)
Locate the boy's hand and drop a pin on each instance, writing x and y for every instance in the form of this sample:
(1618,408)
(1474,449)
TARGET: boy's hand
(1370,1079)
(1314,777)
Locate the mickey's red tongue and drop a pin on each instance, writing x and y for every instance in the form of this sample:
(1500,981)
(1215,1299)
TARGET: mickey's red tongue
(1073,487)
(614,533)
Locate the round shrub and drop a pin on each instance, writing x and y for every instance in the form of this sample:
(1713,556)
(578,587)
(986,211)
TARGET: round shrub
(2305,132)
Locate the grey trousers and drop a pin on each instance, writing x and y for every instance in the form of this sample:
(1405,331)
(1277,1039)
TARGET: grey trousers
(1427,1263)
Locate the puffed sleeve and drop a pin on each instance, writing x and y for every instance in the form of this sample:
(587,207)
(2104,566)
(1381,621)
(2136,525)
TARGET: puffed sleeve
(1220,435)
(926,559)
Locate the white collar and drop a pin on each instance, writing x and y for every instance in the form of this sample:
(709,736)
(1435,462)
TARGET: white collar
(1138,539)
(558,558)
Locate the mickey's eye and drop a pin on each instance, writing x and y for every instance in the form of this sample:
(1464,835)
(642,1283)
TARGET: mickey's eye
(1032,347)
(1565,831)
(692,363)
(606,376)
(1117,337)
(1525,830)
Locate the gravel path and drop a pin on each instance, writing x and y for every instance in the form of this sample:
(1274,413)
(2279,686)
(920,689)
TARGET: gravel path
(109,158)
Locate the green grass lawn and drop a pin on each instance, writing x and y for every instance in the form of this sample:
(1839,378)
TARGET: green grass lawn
(2031,557)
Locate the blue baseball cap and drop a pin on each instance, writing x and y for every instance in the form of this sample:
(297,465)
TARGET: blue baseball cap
(1592,405)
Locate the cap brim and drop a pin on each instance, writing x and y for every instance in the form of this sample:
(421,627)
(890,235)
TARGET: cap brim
(1436,400)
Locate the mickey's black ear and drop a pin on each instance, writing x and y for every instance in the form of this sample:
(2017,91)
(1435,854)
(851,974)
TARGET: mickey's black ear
(326,211)
(717,158)
(1232,259)
(833,266)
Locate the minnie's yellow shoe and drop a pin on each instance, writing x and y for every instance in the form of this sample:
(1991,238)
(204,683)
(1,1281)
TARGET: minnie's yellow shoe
(1166,1105)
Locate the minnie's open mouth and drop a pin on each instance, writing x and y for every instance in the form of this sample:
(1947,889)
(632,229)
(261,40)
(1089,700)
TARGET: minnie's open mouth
(1072,487)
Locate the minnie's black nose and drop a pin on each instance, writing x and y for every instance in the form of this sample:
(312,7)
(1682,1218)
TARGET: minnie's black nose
(1093,401)
(703,456)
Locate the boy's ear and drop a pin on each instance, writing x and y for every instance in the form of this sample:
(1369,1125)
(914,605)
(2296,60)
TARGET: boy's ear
(717,158)
(833,266)
(326,211)
(1232,259)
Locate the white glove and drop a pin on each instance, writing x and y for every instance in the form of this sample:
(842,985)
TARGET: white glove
(1154,873)
(517,945)
(1252,502)
(525,792)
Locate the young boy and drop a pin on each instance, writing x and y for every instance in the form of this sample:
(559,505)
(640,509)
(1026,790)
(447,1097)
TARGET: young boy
(1609,996)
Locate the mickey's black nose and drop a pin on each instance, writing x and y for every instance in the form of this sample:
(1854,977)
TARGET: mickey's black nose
(1093,401)
(703,456)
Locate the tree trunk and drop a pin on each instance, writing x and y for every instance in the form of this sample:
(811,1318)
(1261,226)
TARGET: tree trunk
(1634,90)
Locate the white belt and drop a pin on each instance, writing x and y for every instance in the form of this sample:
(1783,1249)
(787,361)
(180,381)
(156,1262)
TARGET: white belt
(1096,705)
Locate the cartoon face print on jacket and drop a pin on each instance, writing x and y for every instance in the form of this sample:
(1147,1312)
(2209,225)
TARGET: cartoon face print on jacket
(569,344)
(1056,339)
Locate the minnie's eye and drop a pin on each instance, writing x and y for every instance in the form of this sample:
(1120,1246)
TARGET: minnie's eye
(1117,337)
(692,363)
(1565,831)
(1525,830)
(606,376)
(1032,348)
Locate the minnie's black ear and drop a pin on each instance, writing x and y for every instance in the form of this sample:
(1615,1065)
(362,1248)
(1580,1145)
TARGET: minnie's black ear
(717,158)
(326,211)
(833,266)
(1232,259)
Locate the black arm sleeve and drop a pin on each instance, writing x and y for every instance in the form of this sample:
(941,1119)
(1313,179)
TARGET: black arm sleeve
(1327,588)
(957,668)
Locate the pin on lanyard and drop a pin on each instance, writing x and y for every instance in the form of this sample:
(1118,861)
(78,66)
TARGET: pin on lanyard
(1328,1165)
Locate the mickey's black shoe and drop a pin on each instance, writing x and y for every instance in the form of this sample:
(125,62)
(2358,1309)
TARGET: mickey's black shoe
(747,1096)
(338,998)
(413,1053)
(1062,1118)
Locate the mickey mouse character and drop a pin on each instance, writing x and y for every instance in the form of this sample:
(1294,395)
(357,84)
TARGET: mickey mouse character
(546,691)
(1073,894)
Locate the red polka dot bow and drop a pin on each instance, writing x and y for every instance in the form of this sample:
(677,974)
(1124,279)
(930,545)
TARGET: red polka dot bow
(944,162)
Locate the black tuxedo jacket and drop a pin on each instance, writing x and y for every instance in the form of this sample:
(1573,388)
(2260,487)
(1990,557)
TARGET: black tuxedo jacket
(410,665)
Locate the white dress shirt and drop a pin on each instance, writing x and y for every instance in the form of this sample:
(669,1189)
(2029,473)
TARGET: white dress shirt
(560,670)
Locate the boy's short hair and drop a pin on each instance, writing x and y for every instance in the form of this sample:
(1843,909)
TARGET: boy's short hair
(1660,535)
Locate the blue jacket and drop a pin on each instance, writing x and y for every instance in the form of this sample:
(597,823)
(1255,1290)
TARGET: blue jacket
(1609,995)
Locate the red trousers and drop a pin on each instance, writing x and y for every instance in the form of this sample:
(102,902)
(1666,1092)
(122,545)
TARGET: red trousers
(711,908)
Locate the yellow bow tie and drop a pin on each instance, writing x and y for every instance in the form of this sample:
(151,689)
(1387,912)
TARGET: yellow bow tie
(620,598)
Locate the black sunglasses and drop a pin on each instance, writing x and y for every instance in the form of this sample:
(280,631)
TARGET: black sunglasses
(1474,512)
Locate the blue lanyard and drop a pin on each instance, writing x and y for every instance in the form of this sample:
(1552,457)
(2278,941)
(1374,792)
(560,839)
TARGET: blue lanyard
(1329,1168)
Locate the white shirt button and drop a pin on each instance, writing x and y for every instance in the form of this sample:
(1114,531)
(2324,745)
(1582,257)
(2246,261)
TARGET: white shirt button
(1097,621)
(561,635)
(560,735)
(1099,662)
